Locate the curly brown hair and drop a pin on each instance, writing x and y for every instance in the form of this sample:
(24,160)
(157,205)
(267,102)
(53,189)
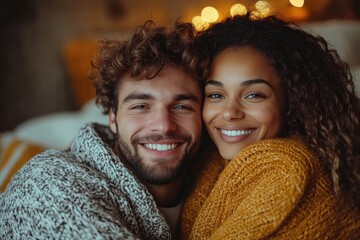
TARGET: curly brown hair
(142,56)
(322,106)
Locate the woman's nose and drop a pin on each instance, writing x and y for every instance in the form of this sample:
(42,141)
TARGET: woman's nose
(233,110)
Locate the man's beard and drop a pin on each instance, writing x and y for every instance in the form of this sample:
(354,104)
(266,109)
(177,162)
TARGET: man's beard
(161,173)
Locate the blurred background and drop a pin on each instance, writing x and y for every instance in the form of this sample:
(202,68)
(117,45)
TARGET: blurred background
(46,44)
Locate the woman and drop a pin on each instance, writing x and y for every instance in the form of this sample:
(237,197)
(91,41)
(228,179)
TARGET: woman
(281,108)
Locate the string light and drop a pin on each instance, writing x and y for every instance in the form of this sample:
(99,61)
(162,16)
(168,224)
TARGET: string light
(297,3)
(262,6)
(210,14)
(238,9)
(262,9)
(199,23)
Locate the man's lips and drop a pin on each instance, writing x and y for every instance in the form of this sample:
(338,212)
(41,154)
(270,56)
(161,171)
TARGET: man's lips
(161,147)
(166,144)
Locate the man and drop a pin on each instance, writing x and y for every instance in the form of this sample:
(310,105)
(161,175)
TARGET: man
(118,182)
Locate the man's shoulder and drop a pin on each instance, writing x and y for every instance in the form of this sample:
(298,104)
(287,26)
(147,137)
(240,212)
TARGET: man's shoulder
(52,171)
(48,163)
(50,188)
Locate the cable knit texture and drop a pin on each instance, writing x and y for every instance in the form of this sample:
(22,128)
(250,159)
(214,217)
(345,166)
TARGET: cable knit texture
(274,189)
(83,193)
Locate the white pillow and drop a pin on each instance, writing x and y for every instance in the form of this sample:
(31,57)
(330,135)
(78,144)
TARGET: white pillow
(57,130)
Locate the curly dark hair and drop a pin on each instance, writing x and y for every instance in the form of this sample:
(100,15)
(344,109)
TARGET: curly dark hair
(142,56)
(322,106)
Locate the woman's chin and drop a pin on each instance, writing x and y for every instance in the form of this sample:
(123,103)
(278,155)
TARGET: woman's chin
(229,153)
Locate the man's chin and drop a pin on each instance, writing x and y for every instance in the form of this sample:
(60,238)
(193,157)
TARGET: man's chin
(159,175)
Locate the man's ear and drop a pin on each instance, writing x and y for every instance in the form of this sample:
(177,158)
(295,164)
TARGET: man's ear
(112,120)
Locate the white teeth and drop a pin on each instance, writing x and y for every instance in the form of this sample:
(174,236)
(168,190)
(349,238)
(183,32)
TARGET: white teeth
(161,147)
(234,133)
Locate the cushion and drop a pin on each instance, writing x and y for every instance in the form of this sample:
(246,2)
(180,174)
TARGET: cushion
(57,130)
(13,156)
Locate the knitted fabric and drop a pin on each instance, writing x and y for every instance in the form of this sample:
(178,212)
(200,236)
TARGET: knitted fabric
(205,172)
(83,193)
(274,189)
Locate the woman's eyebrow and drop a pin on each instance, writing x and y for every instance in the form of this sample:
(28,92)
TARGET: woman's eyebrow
(243,84)
(214,82)
(255,81)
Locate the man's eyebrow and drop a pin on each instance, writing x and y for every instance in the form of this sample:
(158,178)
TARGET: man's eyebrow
(144,96)
(182,97)
(138,96)
(244,83)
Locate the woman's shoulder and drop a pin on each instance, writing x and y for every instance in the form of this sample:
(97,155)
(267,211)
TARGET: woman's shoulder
(289,144)
(278,153)
(292,147)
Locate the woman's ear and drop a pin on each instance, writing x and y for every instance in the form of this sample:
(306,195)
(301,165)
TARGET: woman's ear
(112,120)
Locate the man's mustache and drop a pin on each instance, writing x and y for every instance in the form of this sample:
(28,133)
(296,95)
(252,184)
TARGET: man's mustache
(160,137)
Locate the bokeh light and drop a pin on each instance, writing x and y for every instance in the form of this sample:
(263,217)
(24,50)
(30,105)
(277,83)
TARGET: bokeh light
(238,9)
(297,3)
(210,14)
(262,6)
(199,23)
(262,9)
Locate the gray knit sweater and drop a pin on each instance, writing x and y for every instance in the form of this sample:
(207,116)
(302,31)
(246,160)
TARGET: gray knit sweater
(83,193)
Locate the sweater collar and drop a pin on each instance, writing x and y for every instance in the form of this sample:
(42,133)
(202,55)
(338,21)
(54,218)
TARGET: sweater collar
(92,146)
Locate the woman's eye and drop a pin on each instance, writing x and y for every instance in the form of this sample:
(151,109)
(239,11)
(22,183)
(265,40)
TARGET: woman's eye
(254,96)
(214,96)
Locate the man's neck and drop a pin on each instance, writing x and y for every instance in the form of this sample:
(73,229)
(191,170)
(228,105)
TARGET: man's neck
(167,195)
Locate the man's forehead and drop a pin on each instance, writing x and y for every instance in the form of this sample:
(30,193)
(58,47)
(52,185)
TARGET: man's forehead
(158,95)
(168,79)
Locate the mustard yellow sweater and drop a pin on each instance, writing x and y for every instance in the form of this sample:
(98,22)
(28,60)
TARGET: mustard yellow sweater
(274,189)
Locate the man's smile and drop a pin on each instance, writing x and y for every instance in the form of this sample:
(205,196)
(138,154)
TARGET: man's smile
(161,147)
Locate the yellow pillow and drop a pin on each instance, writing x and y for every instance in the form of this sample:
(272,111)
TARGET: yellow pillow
(13,157)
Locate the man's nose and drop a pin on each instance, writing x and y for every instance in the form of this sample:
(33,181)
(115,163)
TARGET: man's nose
(163,121)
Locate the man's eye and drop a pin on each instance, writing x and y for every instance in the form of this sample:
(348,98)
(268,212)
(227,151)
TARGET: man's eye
(138,107)
(214,96)
(182,107)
